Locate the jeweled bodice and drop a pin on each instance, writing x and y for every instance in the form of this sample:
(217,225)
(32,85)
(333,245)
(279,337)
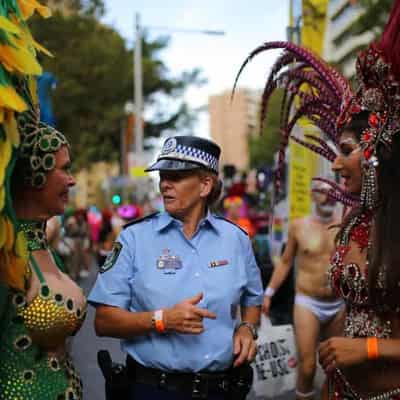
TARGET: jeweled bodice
(34,328)
(363,319)
(347,280)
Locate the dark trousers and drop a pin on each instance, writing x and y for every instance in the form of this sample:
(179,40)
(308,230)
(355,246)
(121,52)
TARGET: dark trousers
(139,391)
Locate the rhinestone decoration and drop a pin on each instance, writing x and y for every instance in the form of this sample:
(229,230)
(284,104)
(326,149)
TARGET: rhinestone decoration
(39,142)
(340,389)
(35,234)
(379,93)
(50,320)
(26,371)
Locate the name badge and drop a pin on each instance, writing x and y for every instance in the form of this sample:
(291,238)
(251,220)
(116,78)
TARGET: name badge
(218,263)
(169,263)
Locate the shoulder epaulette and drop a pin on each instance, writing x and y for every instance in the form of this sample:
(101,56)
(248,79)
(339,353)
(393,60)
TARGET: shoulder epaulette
(137,221)
(227,220)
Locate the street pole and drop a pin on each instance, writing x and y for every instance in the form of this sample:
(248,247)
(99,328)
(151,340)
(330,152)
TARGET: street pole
(123,150)
(138,92)
(137,148)
(123,172)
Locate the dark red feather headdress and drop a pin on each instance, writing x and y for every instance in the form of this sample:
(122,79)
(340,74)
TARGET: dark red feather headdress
(319,89)
(378,92)
(327,100)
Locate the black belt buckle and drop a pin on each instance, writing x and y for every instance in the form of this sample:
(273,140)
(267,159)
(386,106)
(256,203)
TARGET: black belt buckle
(200,387)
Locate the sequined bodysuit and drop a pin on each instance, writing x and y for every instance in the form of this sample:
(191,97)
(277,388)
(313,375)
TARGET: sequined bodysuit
(363,319)
(29,368)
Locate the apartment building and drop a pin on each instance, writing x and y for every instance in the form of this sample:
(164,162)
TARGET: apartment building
(231,123)
(341,46)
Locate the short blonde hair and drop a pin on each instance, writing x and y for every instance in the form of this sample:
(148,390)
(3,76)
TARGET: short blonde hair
(216,189)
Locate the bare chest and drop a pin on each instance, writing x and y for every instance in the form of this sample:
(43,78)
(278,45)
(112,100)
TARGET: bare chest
(315,240)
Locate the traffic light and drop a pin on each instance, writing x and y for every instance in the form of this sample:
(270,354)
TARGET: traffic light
(116,199)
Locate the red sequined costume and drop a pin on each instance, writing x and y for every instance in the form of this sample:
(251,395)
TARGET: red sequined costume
(363,319)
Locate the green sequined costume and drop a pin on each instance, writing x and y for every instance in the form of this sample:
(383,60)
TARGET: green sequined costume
(27,372)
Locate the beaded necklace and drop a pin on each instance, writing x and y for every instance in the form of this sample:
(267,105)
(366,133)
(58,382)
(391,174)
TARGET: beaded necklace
(35,233)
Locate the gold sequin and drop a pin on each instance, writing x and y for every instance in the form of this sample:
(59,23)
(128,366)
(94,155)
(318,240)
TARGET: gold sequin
(50,320)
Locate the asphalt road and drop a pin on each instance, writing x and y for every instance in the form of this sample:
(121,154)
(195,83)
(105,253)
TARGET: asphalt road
(84,348)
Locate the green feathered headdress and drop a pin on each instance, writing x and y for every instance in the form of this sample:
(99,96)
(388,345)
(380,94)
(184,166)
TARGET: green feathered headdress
(18,63)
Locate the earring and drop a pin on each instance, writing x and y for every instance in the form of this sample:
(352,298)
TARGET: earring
(369,190)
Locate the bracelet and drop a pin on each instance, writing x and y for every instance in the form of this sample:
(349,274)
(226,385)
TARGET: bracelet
(372,348)
(269,291)
(251,328)
(304,395)
(157,321)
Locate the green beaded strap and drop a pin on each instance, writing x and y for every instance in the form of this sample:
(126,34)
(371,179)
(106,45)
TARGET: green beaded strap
(57,260)
(35,233)
(37,269)
(39,272)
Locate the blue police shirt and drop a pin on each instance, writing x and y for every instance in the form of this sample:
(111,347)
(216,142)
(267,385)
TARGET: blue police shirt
(158,267)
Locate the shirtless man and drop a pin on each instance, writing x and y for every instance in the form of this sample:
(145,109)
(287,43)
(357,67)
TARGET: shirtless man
(311,243)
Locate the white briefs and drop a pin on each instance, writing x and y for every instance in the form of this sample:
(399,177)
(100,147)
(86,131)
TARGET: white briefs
(323,310)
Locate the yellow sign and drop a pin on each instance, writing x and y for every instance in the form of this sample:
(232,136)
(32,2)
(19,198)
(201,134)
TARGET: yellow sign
(314,24)
(137,172)
(303,167)
(303,163)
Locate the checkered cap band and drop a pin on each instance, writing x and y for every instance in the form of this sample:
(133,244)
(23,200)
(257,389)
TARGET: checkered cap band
(187,153)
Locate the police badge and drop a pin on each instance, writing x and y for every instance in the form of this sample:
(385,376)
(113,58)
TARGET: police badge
(169,146)
(111,257)
(169,263)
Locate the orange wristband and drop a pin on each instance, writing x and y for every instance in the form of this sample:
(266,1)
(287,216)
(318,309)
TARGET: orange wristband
(372,348)
(159,322)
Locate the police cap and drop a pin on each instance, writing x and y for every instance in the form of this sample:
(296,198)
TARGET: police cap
(186,153)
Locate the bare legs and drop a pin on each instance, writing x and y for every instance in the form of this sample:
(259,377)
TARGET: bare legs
(307,332)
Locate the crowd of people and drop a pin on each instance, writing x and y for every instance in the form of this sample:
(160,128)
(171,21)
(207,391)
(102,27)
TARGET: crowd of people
(181,287)
(84,237)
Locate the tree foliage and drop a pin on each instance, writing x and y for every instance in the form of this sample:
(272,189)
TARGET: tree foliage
(94,8)
(263,147)
(375,16)
(93,67)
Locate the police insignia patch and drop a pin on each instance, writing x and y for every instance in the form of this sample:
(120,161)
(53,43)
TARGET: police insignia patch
(169,146)
(111,257)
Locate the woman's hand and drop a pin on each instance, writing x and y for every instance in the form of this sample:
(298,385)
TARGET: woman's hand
(186,318)
(338,352)
(244,346)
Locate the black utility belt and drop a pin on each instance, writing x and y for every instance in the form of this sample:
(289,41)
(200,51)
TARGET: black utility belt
(198,385)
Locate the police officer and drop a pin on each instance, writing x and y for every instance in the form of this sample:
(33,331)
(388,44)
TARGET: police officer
(173,284)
